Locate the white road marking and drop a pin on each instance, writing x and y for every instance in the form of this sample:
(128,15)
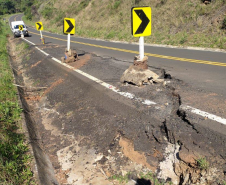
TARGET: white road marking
(108,86)
(203,114)
(132,96)
(42,51)
(29,41)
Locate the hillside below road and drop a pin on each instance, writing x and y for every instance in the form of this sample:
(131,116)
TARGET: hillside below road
(91,133)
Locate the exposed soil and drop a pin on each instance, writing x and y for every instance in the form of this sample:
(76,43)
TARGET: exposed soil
(91,134)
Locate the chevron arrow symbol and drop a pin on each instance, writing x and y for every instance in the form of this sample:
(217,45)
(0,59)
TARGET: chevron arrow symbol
(40,26)
(20,27)
(71,26)
(144,23)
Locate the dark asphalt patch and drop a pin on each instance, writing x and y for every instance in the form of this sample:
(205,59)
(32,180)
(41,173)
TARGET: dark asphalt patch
(90,114)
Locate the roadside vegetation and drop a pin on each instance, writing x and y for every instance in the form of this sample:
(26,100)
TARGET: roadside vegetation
(202,163)
(14,156)
(174,22)
(12,6)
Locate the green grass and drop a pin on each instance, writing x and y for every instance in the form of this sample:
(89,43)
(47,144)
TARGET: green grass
(150,176)
(14,157)
(47,12)
(116,4)
(174,22)
(120,178)
(79,7)
(202,163)
(224,23)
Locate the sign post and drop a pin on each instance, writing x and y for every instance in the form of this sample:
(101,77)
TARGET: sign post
(68,41)
(141,25)
(69,29)
(41,34)
(39,27)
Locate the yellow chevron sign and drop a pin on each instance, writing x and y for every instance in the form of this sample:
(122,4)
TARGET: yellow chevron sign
(39,26)
(141,21)
(21,27)
(69,26)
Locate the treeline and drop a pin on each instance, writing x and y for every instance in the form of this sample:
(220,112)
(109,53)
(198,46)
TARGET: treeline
(16,6)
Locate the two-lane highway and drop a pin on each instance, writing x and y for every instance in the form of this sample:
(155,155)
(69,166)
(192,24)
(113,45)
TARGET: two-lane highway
(84,107)
(205,70)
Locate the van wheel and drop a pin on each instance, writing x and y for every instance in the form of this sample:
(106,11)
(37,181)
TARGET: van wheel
(14,35)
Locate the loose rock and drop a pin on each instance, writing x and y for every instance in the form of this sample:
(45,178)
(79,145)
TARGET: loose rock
(139,74)
(70,56)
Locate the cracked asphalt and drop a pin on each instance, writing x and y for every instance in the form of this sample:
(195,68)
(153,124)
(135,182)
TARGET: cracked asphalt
(89,133)
(73,108)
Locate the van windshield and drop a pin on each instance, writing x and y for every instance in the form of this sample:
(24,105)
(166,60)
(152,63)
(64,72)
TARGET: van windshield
(17,26)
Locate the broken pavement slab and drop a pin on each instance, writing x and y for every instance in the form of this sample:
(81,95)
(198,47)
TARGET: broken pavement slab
(70,56)
(62,118)
(139,74)
(139,77)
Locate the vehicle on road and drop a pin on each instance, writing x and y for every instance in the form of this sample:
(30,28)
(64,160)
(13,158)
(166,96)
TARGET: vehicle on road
(16,31)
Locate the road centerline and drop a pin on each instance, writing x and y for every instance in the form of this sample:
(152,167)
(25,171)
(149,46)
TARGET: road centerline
(147,54)
(132,96)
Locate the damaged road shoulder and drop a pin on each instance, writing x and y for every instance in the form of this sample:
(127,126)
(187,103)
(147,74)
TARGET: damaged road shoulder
(87,135)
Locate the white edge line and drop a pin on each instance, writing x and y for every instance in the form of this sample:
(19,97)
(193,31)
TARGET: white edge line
(37,47)
(42,51)
(204,114)
(29,41)
(108,86)
(132,96)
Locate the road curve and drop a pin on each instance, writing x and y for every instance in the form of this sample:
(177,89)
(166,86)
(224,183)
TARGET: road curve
(205,70)
(86,110)
(208,102)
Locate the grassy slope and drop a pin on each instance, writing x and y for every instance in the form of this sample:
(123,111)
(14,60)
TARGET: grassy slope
(174,22)
(14,157)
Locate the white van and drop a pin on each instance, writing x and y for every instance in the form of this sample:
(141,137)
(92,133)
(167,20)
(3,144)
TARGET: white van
(15,28)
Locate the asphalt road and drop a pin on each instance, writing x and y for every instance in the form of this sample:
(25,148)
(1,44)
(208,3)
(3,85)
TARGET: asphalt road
(208,73)
(204,72)
(81,105)
(75,118)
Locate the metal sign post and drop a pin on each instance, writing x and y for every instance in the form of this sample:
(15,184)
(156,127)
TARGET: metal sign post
(141,47)
(21,29)
(39,27)
(69,29)
(41,34)
(68,41)
(22,35)
(141,25)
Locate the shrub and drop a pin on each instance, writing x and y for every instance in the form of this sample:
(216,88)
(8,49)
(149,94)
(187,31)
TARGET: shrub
(60,16)
(47,12)
(137,2)
(224,23)
(116,4)
(1,25)
(14,157)
(82,5)
(202,163)
(183,39)
(28,14)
